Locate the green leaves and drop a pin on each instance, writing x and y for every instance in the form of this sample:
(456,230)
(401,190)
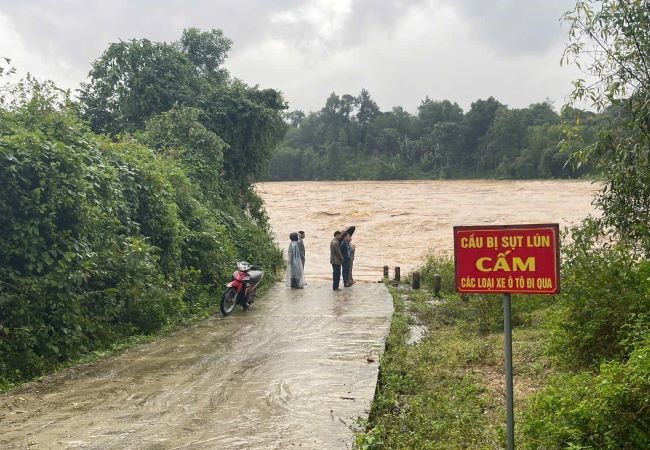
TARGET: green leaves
(103,239)
(606,411)
(343,141)
(207,50)
(249,120)
(135,80)
(216,127)
(610,40)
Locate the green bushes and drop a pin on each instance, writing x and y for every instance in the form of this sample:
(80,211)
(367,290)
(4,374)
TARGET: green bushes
(597,331)
(480,314)
(604,290)
(601,331)
(610,410)
(600,336)
(106,239)
(442,265)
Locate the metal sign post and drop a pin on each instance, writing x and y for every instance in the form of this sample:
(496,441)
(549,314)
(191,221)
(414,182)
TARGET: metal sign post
(506,259)
(510,410)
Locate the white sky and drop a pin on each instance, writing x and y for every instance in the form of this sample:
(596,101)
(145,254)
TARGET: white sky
(401,51)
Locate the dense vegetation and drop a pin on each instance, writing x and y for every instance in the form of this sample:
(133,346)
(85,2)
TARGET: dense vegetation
(583,357)
(125,211)
(581,362)
(446,391)
(350,138)
(600,329)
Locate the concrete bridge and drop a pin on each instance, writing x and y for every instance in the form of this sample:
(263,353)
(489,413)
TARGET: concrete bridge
(294,371)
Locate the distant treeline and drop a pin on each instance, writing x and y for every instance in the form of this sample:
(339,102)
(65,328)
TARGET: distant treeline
(125,211)
(351,138)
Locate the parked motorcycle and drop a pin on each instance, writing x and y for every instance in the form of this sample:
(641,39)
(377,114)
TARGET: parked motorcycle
(241,289)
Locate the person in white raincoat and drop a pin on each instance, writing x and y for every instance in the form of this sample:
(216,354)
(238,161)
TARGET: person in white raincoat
(295,277)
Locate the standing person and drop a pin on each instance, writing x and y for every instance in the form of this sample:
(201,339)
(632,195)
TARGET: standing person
(336,259)
(301,246)
(295,277)
(345,251)
(352,249)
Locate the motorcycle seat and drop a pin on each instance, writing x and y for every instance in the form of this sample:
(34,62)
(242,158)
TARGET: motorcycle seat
(255,275)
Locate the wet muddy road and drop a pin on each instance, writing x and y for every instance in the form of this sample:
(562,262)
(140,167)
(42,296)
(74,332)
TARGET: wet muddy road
(293,372)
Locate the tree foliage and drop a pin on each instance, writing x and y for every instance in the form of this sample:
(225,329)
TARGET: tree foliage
(351,138)
(135,80)
(600,332)
(207,50)
(179,134)
(608,411)
(605,290)
(106,236)
(610,41)
(249,120)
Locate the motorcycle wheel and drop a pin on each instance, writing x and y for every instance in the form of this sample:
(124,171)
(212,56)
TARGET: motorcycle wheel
(250,301)
(228,301)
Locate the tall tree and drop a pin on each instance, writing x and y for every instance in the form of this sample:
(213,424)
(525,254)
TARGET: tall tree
(504,139)
(610,40)
(431,112)
(348,105)
(295,118)
(475,124)
(368,108)
(250,121)
(207,50)
(543,114)
(135,80)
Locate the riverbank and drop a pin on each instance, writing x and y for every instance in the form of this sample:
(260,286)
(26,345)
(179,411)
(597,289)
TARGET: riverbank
(581,360)
(441,383)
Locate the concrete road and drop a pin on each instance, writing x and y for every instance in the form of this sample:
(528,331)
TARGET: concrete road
(295,371)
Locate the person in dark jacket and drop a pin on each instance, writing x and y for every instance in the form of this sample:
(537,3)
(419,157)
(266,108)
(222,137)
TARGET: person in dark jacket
(336,259)
(345,251)
(301,246)
(352,251)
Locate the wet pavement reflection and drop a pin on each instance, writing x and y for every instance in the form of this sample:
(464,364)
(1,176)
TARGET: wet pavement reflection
(295,371)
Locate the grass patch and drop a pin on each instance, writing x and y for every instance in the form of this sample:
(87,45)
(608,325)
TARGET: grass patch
(447,390)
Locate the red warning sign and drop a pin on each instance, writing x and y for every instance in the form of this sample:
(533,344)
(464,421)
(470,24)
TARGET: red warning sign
(516,259)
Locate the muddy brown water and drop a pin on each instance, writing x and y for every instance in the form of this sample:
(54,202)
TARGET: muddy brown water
(399,222)
(295,371)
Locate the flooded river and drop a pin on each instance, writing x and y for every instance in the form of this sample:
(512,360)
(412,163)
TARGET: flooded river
(399,222)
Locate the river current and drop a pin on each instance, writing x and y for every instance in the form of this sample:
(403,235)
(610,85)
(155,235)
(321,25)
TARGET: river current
(400,222)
